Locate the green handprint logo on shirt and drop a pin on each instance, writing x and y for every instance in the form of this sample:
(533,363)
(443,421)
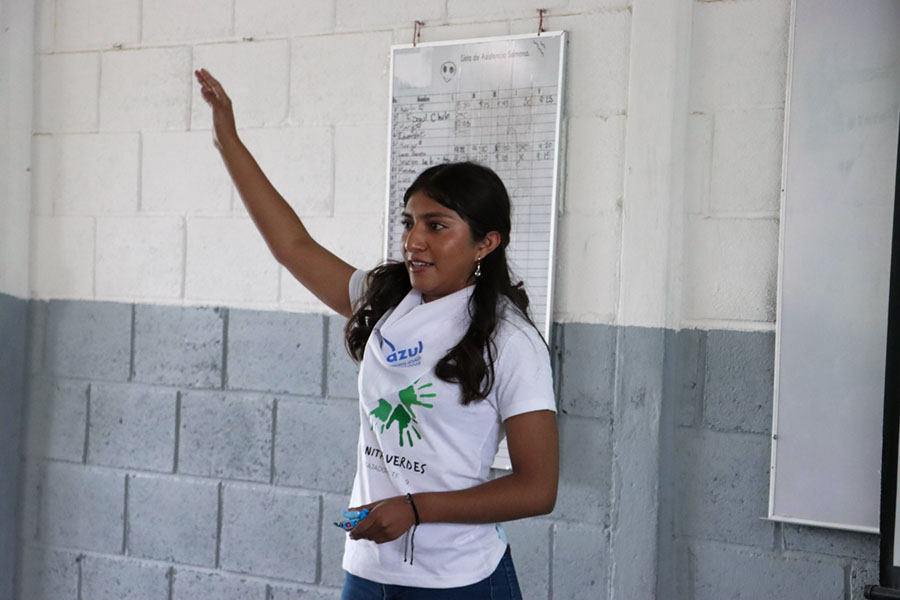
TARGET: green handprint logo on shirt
(402,413)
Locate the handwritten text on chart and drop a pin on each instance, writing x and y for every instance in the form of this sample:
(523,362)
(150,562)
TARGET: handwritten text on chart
(513,131)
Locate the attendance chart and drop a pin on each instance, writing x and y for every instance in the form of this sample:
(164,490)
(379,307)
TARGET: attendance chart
(495,101)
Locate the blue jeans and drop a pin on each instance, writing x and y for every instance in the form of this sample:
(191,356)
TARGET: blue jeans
(502,584)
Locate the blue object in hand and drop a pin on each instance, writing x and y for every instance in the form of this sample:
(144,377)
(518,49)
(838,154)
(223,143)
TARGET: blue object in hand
(351,518)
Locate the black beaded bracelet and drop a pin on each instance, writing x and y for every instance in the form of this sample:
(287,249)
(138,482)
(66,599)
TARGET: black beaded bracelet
(409,500)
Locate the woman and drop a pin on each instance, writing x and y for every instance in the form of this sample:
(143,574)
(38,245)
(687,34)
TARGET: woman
(449,361)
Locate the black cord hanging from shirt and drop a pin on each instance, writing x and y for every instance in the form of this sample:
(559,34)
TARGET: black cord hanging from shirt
(412,538)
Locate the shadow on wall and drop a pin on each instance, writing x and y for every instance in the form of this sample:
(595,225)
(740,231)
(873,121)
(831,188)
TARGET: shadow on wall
(12,403)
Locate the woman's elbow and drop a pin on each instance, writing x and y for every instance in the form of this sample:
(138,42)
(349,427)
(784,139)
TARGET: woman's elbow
(549,504)
(545,502)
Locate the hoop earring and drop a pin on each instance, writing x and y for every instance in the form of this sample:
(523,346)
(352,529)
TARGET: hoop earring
(478,268)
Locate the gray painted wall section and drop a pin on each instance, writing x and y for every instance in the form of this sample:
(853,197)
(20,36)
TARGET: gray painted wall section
(172,450)
(13,319)
(714,478)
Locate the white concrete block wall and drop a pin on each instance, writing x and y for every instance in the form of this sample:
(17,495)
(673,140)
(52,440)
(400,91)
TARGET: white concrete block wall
(258,18)
(140,257)
(597,73)
(587,284)
(255,76)
(698,163)
(352,15)
(356,67)
(730,269)
(178,21)
(62,260)
(86,174)
(300,164)
(228,262)
(745,176)
(66,87)
(594,147)
(145,89)
(182,174)
(439,32)
(92,24)
(739,52)
(360,169)
(124,148)
(737,83)
(500,9)
(358,239)
(44,25)
(17,37)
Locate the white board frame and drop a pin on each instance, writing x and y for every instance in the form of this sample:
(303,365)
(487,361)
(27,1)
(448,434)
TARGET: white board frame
(871,410)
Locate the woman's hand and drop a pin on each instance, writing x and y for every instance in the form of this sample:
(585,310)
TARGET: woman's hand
(224,129)
(387,520)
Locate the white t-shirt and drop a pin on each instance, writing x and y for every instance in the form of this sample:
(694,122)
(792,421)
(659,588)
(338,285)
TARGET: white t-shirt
(417,436)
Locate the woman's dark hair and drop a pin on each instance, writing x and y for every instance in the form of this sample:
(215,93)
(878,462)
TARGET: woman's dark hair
(479,197)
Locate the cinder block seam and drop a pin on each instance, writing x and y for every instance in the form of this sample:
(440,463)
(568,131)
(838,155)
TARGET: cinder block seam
(133,334)
(79,562)
(737,429)
(184,245)
(87,423)
(219,511)
(321,510)
(225,325)
(699,416)
(182,567)
(189,80)
(323,379)
(177,432)
(96,234)
(550,558)
(272,441)
(140,171)
(848,586)
(332,139)
(736,433)
(144,473)
(772,553)
(548,15)
(248,577)
(125,521)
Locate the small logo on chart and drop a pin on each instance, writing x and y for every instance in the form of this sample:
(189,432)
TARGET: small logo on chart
(448,70)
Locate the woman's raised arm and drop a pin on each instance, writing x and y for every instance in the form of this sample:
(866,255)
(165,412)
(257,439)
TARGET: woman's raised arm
(320,271)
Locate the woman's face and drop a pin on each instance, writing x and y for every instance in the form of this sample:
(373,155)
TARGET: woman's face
(438,248)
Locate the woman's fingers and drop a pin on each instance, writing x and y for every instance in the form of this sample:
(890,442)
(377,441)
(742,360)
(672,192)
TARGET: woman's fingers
(210,87)
(214,95)
(386,521)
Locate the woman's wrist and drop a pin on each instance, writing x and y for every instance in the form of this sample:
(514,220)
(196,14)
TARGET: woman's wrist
(228,142)
(412,503)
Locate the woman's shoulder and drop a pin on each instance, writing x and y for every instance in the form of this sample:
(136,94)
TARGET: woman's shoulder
(524,374)
(514,329)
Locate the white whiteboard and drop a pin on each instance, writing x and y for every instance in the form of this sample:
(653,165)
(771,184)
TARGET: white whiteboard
(497,102)
(837,207)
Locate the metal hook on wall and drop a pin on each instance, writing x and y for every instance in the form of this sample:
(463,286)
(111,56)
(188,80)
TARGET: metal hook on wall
(541,12)
(417,31)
